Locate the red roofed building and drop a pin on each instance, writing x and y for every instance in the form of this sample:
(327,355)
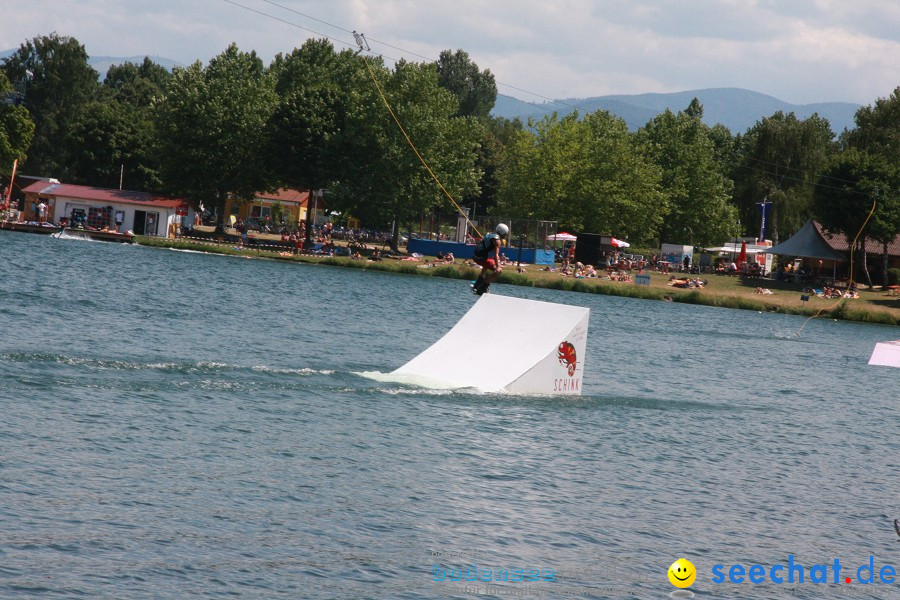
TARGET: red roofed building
(873,249)
(141,212)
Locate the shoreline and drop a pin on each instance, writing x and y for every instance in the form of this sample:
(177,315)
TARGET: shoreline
(737,299)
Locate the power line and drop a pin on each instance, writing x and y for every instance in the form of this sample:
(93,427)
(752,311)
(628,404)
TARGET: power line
(371,39)
(351,45)
(344,29)
(297,12)
(785,176)
(259,12)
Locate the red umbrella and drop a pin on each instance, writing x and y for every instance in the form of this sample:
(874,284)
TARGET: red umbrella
(742,257)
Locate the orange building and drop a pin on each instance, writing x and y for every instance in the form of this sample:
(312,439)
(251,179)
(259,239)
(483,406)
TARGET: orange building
(285,206)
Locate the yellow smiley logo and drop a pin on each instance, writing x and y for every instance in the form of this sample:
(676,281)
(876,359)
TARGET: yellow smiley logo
(682,573)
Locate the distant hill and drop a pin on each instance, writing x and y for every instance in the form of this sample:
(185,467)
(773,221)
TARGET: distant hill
(101,64)
(736,108)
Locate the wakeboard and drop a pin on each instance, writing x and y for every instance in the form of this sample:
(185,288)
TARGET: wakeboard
(478,290)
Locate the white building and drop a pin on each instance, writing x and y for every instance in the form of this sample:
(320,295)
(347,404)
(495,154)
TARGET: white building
(119,210)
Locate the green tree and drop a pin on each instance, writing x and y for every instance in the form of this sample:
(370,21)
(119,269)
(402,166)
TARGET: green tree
(496,134)
(60,85)
(877,127)
(697,205)
(382,179)
(694,109)
(211,125)
(16,129)
(724,148)
(844,199)
(780,159)
(316,89)
(877,134)
(115,134)
(115,144)
(540,163)
(588,175)
(137,85)
(619,188)
(475,89)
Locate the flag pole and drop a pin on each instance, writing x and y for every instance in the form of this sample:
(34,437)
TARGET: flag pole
(12,179)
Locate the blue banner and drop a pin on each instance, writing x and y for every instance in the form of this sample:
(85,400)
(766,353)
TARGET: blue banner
(765,209)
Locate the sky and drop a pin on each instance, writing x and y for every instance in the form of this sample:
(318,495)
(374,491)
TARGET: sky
(799,51)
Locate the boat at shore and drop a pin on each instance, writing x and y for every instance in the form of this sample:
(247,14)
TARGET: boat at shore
(67,232)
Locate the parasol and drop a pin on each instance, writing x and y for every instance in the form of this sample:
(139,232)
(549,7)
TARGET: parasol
(742,257)
(562,236)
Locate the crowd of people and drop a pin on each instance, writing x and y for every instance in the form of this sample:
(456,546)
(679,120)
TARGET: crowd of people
(827,291)
(618,266)
(321,240)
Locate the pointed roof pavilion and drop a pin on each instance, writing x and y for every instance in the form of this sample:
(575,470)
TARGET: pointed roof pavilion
(808,243)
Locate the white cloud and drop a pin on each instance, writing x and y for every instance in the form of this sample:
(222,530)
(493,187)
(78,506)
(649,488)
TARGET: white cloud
(800,51)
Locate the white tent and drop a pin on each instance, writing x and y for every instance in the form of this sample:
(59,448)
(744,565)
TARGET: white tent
(562,236)
(736,249)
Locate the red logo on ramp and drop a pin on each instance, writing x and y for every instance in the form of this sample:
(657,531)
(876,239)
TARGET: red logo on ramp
(566,354)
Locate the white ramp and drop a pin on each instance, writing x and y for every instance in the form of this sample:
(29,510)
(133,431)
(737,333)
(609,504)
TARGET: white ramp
(506,344)
(886,354)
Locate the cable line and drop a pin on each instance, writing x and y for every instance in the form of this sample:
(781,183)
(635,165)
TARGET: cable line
(409,52)
(850,275)
(408,139)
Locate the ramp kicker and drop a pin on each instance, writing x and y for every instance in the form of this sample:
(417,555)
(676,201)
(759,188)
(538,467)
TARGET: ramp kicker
(886,354)
(506,344)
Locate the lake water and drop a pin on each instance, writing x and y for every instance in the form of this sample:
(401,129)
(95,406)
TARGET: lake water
(181,425)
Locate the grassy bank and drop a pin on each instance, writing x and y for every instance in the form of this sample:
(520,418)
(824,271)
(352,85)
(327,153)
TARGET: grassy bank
(722,291)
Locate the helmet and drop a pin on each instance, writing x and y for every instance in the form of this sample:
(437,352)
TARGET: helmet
(502,230)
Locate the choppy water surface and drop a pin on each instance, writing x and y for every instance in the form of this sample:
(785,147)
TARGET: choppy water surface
(184,425)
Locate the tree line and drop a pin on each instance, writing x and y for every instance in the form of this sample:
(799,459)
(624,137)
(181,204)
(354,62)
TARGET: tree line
(316,118)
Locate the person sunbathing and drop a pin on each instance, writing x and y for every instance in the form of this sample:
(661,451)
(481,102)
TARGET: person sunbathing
(686,283)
